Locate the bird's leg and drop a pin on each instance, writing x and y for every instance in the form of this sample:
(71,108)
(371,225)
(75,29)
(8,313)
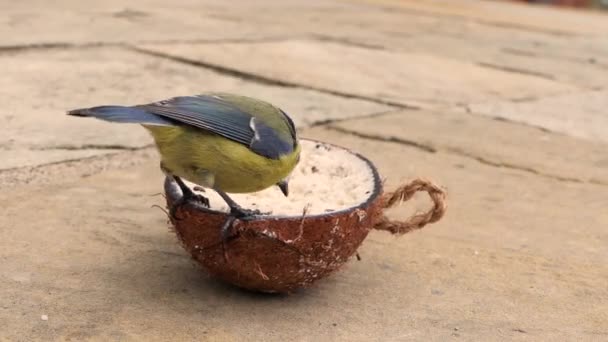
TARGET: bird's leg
(187,195)
(235,209)
(236,212)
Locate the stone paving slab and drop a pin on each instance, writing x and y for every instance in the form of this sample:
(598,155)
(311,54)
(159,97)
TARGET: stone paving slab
(515,57)
(581,114)
(16,158)
(581,60)
(102,264)
(498,143)
(520,255)
(117,23)
(40,87)
(552,20)
(371,73)
(85,164)
(592,50)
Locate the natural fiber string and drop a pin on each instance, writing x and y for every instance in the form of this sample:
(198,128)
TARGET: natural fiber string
(404,193)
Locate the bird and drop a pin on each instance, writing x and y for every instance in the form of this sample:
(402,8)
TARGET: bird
(221,141)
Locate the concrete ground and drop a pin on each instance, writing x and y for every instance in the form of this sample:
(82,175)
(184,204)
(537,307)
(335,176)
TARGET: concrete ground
(503,104)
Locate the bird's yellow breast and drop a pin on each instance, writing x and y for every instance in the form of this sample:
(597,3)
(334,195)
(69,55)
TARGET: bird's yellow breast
(213,161)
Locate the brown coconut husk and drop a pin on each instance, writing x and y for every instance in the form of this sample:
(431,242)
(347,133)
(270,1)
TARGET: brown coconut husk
(273,253)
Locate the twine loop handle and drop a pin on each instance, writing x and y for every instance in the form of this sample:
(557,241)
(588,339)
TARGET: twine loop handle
(419,220)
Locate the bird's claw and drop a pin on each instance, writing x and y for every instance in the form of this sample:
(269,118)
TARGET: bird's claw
(201,199)
(225,231)
(236,213)
(244,214)
(187,197)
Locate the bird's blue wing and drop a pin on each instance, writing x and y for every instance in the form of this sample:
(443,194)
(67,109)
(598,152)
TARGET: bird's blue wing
(123,114)
(207,113)
(211,113)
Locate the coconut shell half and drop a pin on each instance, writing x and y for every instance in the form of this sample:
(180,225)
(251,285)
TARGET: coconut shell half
(335,200)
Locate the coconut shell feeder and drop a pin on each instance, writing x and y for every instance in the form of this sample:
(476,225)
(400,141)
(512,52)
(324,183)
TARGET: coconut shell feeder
(336,198)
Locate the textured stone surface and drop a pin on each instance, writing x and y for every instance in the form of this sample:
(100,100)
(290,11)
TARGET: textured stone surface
(492,142)
(116,22)
(544,19)
(406,78)
(521,253)
(581,114)
(516,56)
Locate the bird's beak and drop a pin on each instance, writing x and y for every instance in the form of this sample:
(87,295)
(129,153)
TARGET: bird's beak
(284,186)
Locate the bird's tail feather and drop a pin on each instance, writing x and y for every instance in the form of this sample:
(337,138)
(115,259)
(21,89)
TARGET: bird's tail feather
(122,114)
